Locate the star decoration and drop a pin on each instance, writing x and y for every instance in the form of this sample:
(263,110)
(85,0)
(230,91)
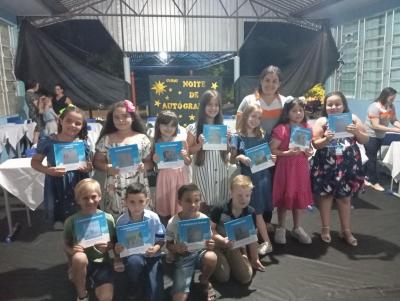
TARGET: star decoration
(214,85)
(179,92)
(166,97)
(157,103)
(191,117)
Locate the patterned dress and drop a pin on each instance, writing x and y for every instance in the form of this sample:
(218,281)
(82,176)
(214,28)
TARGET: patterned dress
(112,201)
(212,176)
(337,169)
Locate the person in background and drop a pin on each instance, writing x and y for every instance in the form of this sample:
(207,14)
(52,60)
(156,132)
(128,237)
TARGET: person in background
(32,101)
(60,101)
(50,118)
(379,115)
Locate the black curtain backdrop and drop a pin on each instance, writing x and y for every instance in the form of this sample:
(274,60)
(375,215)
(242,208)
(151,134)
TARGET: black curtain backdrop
(306,57)
(39,57)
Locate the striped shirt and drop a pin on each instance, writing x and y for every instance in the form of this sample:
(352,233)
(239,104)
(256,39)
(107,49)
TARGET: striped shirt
(270,112)
(212,176)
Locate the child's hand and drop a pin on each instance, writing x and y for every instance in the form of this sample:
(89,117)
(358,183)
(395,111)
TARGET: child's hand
(180,248)
(56,171)
(201,140)
(228,136)
(156,158)
(78,249)
(141,166)
(245,160)
(352,128)
(102,247)
(257,265)
(152,251)
(210,244)
(111,170)
(228,243)
(118,248)
(274,157)
(294,151)
(87,168)
(329,135)
(183,153)
(309,152)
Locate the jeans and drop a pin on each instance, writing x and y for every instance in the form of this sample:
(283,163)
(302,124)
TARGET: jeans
(148,272)
(371,149)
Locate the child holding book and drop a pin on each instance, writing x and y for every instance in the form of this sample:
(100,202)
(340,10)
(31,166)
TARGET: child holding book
(210,169)
(123,126)
(59,184)
(89,266)
(250,134)
(240,262)
(336,168)
(169,179)
(143,269)
(186,262)
(291,188)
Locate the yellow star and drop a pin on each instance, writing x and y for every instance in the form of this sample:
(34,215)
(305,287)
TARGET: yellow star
(167,97)
(214,86)
(191,117)
(159,87)
(179,92)
(157,103)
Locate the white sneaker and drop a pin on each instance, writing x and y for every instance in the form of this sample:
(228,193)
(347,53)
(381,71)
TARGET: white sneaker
(264,248)
(280,236)
(301,236)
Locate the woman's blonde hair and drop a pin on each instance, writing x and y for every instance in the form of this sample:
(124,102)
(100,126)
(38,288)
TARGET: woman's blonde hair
(242,125)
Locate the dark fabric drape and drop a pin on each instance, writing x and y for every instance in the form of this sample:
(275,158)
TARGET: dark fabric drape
(41,58)
(306,57)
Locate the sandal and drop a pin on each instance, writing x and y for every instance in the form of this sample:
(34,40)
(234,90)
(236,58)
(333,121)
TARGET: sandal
(348,237)
(208,290)
(325,234)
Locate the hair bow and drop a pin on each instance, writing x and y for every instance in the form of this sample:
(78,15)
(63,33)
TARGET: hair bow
(69,106)
(130,108)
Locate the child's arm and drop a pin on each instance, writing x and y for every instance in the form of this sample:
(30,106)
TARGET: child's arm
(100,162)
(185,154)
(37,164)
(274,145)
(321,138)
(220,241)
(194,146)
(176,248)
(71,250)
(357,129)
(254,260)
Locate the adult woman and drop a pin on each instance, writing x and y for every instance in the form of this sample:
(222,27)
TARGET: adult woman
(60,101)
(380,113)
(268,97)
(32,101)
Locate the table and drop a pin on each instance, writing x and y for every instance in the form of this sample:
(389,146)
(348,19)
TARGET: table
(20,179)
(392,161)
(13,133)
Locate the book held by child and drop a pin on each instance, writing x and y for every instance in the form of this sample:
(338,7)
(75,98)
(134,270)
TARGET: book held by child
(215,136)
(194,233)
(337,123)
(135,237)
(300,137)
(126,158)
(260,156)
(241,231)
(91,230)
(169,154)
(70,155)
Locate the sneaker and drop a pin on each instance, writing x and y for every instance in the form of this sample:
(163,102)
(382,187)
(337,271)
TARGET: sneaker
(264,248)
(301,236)
(378,187)
(280,236)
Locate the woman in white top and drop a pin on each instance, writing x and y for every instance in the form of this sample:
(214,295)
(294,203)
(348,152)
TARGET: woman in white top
(380,113)
(268,97)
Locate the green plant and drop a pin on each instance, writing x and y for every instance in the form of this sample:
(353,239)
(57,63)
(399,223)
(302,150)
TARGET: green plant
(316,92)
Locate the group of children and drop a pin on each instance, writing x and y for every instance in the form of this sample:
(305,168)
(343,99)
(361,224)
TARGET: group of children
(335,174)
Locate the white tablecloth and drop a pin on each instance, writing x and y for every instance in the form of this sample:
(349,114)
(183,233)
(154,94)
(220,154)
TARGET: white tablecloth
(20,179)
(14,132)
(392,160)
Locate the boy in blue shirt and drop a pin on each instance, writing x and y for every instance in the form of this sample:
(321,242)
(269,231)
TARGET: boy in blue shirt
(143,269)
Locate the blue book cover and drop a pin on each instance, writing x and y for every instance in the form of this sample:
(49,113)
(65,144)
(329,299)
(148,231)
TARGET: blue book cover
(241,231)
(300,137)
(169,154)
(260,156)
(91,230)
(135,237)
(194,232)
(70,155)
(337,123)
(215,136)
(126,158)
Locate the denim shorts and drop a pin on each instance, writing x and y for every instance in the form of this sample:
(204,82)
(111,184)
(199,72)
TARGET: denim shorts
(99,273)
(184,271)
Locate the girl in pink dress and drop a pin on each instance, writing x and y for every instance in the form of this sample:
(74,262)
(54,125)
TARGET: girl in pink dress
(291,186)
(170,179)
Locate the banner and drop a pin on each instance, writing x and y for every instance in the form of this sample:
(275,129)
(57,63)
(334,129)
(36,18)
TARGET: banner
(180,94)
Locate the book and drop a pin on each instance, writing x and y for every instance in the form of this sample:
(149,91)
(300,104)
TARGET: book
(135,237)
(126,158)
(91,230)
(169,154)
(215,136)
(337,123)
(70,155)
(241,231)
(194,232)
(260,156)
(300,137)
